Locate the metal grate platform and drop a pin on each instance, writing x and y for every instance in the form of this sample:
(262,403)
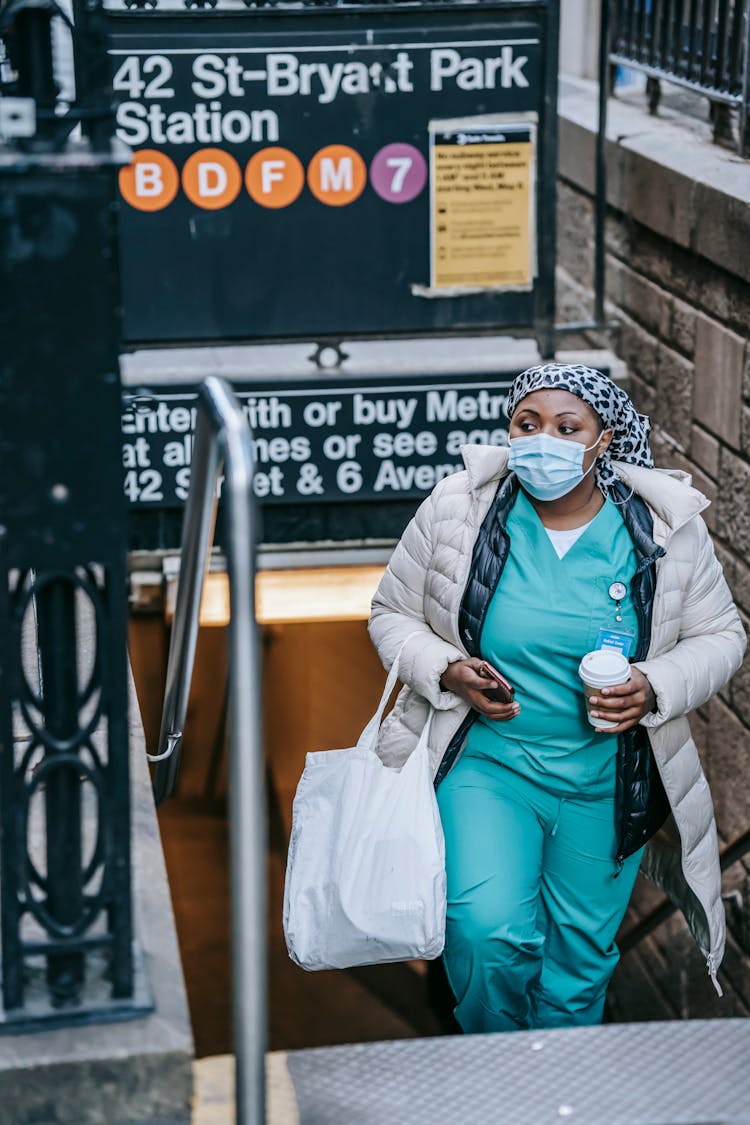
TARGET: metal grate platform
(692,1073)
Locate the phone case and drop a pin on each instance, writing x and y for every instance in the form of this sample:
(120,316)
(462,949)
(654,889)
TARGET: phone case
(504,692)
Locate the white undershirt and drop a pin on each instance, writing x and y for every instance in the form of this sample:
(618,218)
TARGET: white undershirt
(562,541)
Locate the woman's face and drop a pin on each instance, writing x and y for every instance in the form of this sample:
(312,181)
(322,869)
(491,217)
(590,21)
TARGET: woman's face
(563,415)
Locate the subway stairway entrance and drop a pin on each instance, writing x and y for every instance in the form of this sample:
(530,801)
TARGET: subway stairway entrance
(321,681)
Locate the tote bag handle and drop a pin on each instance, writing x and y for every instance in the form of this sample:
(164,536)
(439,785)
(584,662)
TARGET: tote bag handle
(368,737)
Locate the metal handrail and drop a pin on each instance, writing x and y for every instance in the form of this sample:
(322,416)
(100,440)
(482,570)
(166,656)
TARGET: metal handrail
(222,436)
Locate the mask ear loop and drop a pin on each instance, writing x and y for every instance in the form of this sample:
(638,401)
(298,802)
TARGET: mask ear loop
(621,503)
(595,464)
(618,503)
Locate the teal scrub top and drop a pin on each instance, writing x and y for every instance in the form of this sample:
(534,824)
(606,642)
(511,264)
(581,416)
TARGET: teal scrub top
(545,614)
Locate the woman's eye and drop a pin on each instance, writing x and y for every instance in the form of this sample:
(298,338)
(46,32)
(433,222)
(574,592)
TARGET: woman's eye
(567,430)
(525,427)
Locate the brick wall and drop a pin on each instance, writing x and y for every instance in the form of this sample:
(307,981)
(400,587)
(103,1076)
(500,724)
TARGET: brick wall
(682,299)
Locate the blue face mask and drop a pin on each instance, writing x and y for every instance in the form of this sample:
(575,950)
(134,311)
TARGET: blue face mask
(548,467)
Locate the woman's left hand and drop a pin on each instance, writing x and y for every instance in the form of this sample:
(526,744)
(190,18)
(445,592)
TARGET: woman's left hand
(624,704)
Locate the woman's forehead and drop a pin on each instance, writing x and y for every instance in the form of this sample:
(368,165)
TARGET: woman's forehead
(555,400)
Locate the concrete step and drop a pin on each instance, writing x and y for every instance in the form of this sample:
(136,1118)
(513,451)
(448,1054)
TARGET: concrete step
(213,1091)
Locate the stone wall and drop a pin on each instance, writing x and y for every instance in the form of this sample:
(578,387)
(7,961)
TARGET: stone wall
(678,282)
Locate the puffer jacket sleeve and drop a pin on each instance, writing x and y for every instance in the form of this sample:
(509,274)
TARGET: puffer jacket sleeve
(398,612)
(710,645)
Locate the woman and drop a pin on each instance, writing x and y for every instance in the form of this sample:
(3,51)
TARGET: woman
(566,541)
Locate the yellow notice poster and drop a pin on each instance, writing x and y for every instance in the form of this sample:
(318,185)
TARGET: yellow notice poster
(482,205)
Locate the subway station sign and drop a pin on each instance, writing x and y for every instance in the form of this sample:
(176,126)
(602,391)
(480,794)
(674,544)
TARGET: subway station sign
(310,174)
(353,440)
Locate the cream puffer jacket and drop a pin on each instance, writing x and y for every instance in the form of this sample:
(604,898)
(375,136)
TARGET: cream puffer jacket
(697,644)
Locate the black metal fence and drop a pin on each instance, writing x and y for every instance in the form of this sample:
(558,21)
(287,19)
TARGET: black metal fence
(65,890)
(703,45)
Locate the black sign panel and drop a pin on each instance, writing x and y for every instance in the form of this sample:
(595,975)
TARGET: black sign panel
(353,440)
(281,184)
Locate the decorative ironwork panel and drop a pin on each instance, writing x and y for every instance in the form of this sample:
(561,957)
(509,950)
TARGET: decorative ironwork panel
(67,948)
(66,895)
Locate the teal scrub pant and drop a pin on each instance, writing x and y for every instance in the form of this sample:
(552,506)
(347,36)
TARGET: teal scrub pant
(533,901)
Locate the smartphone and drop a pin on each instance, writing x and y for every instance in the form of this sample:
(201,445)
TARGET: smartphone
(502,691)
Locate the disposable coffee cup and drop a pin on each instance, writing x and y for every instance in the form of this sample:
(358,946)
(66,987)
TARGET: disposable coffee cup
(604,667)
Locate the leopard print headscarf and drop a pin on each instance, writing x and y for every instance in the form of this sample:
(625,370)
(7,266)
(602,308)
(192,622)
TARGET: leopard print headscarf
(630,429)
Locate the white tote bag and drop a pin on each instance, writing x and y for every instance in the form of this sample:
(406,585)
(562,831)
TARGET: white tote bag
(365,876)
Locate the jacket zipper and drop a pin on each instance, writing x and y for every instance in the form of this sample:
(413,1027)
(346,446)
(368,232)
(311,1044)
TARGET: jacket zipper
(644,620)
(454,746)
(486,606)
(712,970)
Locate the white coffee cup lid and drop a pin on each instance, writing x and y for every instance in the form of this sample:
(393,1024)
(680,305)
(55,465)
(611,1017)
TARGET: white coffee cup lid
(604,667)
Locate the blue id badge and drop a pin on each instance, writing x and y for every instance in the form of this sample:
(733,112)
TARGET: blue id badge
(619,639)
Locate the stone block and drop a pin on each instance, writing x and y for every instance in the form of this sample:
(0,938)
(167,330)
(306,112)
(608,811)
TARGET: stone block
(729,564)
(728,768)
(704,450)
(704,484)
(681,330)
(642,394)
(639,349)
(653,257)
(733,504)
(722,230)
(708,289)
(697,284)
(145,1089)
(739,582)
(617,237)
(674,395)
(614,280)
(617,175)
(739,695)
(573,301)
(647,303)
(575,245)
(660,197)
(576,155)
(719,360)
(663,449)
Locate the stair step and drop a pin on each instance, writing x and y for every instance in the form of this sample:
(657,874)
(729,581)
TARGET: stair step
(213,1091)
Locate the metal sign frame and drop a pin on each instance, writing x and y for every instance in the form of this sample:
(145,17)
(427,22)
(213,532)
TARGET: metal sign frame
(170,315)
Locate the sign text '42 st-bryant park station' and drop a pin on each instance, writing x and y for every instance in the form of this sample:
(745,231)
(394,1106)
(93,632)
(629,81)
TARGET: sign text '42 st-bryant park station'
(236,101)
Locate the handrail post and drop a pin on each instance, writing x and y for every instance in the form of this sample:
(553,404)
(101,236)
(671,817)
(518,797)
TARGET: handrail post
(247,807)
(223,436)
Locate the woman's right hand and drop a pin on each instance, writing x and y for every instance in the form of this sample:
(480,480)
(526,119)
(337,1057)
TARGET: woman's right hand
(463,678)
